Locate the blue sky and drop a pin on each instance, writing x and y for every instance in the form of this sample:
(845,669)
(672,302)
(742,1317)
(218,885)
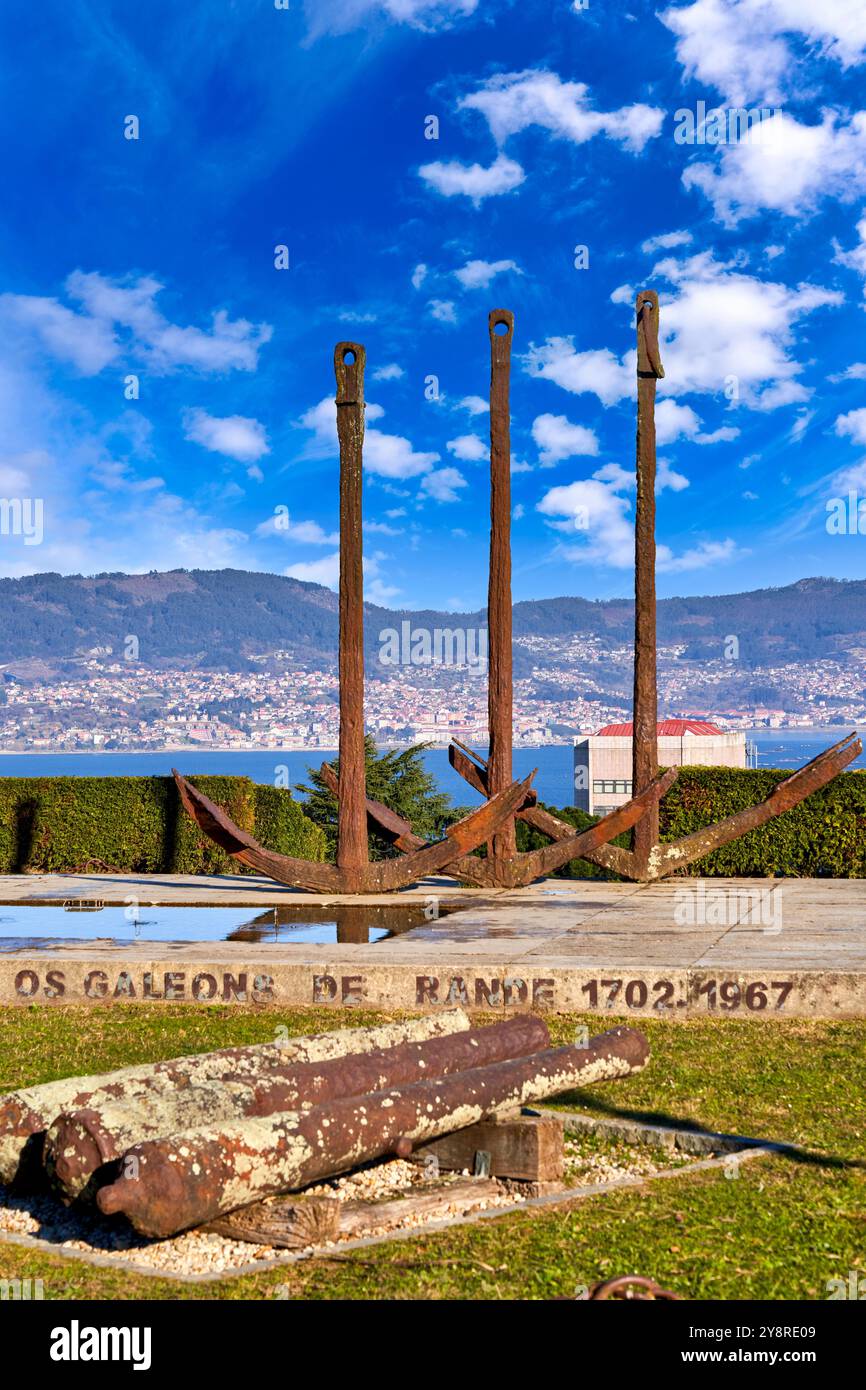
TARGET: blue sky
(557,128)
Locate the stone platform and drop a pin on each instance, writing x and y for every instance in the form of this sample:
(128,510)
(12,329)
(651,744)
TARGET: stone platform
(729,948)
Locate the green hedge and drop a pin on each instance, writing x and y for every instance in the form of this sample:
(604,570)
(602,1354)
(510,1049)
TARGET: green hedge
(137,824)
(823,837)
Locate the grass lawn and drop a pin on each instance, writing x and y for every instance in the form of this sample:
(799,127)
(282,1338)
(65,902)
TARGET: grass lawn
(780,1229)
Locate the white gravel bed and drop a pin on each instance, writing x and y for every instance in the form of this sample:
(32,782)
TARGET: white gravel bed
(84,1229)
(617,1162)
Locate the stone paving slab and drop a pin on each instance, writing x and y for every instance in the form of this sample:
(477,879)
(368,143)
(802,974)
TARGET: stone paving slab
(732,947)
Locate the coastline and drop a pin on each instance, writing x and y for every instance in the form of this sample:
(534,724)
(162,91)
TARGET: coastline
(823,730)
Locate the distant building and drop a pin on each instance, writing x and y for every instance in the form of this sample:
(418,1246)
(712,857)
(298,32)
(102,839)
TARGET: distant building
(602,762)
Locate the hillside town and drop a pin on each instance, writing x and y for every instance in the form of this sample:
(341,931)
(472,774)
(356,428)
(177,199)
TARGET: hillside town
(568,688)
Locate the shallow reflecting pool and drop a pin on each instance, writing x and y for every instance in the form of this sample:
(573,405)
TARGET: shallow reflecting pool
(43,928)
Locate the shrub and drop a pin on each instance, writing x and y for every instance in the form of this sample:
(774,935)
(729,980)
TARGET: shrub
(823,837)
(137,824)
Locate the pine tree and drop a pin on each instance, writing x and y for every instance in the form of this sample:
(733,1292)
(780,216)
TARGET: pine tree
(396,778)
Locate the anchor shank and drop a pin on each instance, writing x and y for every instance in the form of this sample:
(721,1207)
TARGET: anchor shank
(352,855)
(499,690)
(645,705)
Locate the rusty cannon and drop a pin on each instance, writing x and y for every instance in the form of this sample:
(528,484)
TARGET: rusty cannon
(353,871)
(179,1181)
(25,1115)
(83,1147)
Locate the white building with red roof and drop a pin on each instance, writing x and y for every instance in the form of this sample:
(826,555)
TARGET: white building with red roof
(602,762)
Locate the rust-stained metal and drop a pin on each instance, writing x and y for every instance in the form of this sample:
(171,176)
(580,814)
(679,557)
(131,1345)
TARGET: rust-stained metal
(645,705)
(349,362)
(382,876)
(353,873)
(504,867)
(183,1180)
(568,843)
(26,1114)
(649,859)
(500,678)
(83,1146)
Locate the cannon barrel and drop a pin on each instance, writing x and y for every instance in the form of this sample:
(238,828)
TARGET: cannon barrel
(26,1114)
(183,1180)
(82,1147)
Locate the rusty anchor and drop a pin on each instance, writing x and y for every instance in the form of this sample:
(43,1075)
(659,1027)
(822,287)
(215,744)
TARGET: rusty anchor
(504,867)
(648,859)
(353,872)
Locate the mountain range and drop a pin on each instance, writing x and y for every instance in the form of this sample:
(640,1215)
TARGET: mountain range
(220,619)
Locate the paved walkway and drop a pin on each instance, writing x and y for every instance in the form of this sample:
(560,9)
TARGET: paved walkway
(742,948)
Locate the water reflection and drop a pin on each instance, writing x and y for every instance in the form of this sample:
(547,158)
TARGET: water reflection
(351,924)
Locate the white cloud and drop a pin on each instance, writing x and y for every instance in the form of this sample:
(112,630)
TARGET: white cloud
(698,557)
(786,166)
(325,571)
(801,424)
(392,456)
(87,343)
(621,480)
(724,325)
(443,484)
(666,242)
(235,436)
(596,517)
(668,477)
(675,421)
(391,372)
(852,479)
(341,16)
(741,47)
(303,532)
(387,455)
(597,371)
(623,294)
(719,327)
(856,372)
(853,425)
(231,344)
(442,310)
(477,275)
(469,448)
(856,258)
(473,180)
(474,404)
(557,438)
(513,101)
(419,275)
(599,516)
